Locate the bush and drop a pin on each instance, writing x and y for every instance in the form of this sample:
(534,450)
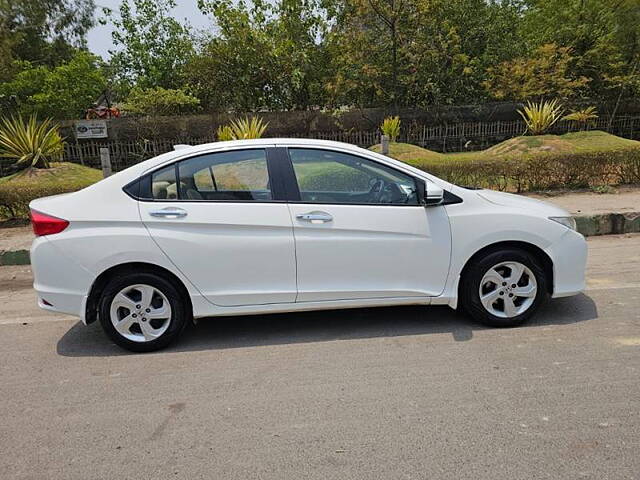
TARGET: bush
(391,128)
(540,117)
(159,101)
(540,171)
(16,191)
(30,143)
(242,129)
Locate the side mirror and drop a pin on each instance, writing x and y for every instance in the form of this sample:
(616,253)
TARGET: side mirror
(429,194)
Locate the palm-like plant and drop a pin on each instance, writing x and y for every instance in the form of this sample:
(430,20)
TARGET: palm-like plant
(242,129)
(391,128)
(540,117)
(224,133)
(583,117)
(30,143)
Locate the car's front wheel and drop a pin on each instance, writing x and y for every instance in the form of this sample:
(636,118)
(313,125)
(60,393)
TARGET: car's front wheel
(142,311)
(504,288)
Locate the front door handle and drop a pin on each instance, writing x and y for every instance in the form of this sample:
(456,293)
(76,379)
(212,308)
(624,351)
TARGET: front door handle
(169,212)
(315,217)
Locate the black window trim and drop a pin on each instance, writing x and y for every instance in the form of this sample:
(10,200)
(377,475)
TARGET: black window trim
(273,157)
(282,179)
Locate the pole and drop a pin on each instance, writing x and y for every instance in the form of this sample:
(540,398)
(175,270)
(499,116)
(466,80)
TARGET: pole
(105,161)
(384,142)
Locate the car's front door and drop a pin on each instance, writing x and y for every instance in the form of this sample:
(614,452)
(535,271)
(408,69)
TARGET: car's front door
(360,232)
(218,219)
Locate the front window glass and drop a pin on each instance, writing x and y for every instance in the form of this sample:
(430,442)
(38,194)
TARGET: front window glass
(334,177)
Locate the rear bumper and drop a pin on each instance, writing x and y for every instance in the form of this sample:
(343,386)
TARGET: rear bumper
(61,284)
(569,256)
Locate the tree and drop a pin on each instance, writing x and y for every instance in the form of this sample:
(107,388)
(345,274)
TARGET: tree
(65,91)
(419,52)
(44,32)
(151,46)
(603,35)
(262,55)
(547,73)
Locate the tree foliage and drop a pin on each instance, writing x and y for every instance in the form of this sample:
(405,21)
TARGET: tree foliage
(65,91)
(45,32)
(151,45)
(263,56)
(547,72)
(307,54)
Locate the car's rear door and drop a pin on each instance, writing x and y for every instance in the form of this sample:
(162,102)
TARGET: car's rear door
(222,221)
(360,231)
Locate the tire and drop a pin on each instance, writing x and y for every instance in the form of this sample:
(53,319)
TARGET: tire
(487,293)
(141,295)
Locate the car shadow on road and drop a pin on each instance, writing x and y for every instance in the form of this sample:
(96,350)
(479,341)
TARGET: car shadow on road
(321,326)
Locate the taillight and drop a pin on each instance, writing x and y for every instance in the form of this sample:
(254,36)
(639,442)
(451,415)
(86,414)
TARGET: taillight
(46,224)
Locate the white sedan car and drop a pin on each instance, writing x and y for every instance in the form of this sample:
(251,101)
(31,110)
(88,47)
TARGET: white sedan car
(283,225)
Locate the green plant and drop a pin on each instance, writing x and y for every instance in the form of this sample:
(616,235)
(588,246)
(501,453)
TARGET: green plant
(30,144)
(242,129)
(224,133)
(540,117)
(583,118)
(160,101)
(391,128)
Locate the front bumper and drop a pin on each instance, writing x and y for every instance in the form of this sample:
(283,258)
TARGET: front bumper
(569,256)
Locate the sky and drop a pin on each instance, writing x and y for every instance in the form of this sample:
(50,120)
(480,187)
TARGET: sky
(99,38)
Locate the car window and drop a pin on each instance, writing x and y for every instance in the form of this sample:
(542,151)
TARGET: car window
(163,184)
(235,175)
(326,176)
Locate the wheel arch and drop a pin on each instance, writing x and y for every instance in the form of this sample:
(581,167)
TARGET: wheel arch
(101,281)
(541,255)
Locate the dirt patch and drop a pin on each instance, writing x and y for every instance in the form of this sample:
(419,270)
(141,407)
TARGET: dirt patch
(15,238)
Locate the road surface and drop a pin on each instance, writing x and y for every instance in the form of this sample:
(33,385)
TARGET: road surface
(394,393)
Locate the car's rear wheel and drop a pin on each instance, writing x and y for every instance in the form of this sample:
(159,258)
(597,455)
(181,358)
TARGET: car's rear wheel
(142,312)
(504,288)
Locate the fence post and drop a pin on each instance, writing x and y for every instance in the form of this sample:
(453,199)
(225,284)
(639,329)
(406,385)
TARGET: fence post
(384,142)
(105,161)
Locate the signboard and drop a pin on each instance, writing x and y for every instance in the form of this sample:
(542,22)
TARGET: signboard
(91,129)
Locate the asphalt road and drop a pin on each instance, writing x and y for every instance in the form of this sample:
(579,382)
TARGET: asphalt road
(393,393)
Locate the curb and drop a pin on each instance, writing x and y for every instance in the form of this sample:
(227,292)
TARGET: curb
(608,224)
(589,226)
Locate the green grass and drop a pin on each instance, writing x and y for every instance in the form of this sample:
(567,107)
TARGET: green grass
(68,174)
(576,142)
(411,154)
(17,190)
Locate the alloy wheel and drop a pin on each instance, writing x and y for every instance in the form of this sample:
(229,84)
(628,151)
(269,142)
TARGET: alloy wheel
(140,313)
(508,289)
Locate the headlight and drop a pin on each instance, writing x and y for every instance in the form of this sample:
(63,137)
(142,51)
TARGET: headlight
(568,222)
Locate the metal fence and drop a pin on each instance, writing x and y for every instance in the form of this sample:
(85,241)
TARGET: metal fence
(453,137)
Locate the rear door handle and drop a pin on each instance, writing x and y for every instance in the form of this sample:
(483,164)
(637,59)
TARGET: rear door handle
(315,217)
(169,212)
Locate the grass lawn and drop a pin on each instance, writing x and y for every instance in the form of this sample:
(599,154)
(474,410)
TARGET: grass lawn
(575,142)
(68,174)
(17,190)
(411,154)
